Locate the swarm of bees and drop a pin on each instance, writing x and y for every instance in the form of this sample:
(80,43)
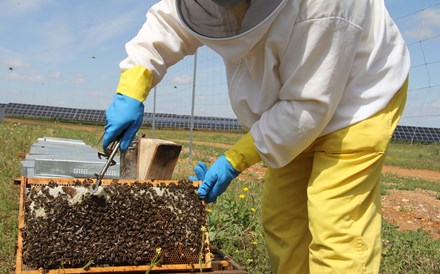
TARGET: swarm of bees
(123,225)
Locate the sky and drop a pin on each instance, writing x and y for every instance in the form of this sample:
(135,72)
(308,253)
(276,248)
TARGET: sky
(67,53)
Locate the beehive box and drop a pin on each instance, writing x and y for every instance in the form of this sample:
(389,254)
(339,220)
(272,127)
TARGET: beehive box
(129,226)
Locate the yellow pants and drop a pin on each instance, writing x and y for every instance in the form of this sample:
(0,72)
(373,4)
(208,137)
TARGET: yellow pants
(321,212)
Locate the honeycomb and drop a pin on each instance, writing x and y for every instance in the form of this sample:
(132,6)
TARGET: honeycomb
(122,225)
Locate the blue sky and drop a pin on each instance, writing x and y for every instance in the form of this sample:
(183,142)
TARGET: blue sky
(66,53)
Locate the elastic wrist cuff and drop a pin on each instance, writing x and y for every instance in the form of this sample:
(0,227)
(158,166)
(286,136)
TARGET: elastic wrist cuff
(243,154)
(135,83)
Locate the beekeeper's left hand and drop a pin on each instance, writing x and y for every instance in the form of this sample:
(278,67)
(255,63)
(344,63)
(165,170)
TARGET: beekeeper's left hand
(217,179)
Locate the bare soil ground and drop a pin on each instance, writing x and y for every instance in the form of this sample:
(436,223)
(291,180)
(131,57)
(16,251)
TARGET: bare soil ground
(413,209)
(408,210)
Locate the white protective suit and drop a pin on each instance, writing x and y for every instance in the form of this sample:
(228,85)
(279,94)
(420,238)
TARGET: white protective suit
(306,69)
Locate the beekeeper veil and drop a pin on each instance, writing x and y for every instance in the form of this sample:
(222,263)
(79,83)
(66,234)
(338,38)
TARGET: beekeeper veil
(221,19)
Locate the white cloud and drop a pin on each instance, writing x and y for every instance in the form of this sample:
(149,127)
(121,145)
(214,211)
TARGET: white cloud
(431,17)
(14,7)
(80,79)
(55,75)
(25,77)
(16,63)
(56,34)
(436,104)
(420,34)
(106,30)
(427,26)
(61,37)
(182,80)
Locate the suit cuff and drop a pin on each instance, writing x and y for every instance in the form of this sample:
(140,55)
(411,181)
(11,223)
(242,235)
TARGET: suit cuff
(135,83)
(243,154)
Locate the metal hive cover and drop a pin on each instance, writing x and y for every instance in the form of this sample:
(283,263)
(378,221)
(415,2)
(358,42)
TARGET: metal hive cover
(63,157)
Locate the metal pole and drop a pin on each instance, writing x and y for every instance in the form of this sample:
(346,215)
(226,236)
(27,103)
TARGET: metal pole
(154,113)
(192,104)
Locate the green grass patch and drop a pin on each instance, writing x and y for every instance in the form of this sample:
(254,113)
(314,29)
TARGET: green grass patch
(408,252)
(235,225)
(219,137)
(235,220)
(414,156)
(391,181)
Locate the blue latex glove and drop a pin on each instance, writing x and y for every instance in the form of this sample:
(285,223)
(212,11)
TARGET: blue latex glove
(124,117)
(200,170)
(217,179)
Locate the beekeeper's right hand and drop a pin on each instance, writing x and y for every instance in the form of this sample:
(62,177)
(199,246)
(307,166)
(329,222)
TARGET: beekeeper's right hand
(125,114)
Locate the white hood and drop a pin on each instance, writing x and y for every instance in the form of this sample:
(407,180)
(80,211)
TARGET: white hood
(216,27)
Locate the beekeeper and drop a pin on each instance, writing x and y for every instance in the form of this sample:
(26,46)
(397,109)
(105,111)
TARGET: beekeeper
(318,85)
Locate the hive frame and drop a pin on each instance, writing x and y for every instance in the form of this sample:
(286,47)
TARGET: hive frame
(27,182)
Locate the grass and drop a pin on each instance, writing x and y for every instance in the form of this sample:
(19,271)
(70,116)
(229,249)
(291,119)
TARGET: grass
(391,181)
(415,156)
(235,227)
(409,252)
(234,221)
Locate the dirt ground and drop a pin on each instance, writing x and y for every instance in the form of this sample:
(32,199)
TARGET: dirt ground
(408,210)
(413,209)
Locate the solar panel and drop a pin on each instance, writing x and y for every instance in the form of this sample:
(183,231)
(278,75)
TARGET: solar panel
(416,134)
(167,120)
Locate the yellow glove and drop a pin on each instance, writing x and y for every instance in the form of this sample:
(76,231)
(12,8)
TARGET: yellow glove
(125,114)
(243,154)
(135,83)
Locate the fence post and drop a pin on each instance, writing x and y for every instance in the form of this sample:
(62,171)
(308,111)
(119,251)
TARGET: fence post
(154,114)
(192,104)
(2,114)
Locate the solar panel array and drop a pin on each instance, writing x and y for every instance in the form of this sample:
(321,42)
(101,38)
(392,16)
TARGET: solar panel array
(56,113)
(161,120)
(416,134)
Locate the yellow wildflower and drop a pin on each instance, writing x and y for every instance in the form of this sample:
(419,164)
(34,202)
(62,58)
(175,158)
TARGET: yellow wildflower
(241,196)
(245,189)
(253,209)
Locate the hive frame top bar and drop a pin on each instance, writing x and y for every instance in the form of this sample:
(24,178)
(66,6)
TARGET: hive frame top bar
(73,181)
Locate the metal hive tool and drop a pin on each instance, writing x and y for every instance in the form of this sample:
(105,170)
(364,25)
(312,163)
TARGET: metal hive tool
(110,155)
